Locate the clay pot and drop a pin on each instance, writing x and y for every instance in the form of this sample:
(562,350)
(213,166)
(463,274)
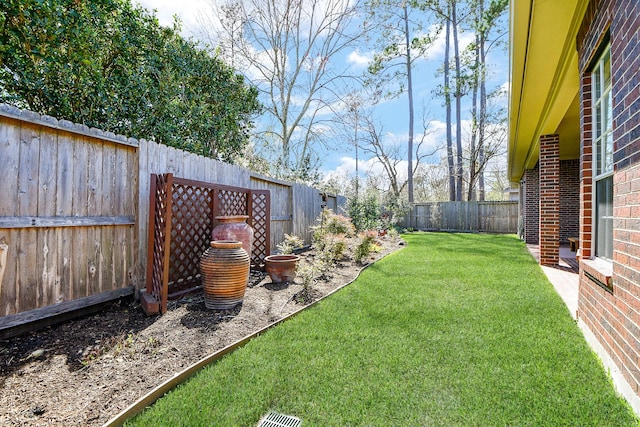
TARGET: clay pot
(225,273)
(234,227)
(281,268)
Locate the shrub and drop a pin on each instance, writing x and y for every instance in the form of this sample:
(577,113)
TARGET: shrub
(338,224)
(364,247)
(289,244)
(307,274)
(393,233)
(332,248)
(331,223)
(365,212)
(395,210)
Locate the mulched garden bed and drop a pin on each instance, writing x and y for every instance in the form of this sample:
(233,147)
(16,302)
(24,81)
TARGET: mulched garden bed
(85,371)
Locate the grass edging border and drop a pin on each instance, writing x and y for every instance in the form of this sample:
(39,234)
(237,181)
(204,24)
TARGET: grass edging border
(180,377)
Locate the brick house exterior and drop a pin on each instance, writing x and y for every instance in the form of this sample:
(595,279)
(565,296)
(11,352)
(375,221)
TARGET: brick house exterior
(569,202)
(556,153)
(612,311)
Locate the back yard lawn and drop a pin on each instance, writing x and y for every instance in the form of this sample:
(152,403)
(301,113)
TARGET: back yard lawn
(455,330)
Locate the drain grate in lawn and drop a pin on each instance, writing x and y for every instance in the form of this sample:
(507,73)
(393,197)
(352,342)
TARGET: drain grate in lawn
(274,419)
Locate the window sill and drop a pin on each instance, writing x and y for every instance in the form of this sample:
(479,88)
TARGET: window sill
(599,272)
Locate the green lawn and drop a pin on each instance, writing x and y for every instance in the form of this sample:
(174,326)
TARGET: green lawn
(453,330)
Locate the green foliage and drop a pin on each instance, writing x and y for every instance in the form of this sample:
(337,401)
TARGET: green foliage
(289,244)
(331,223)
(365,212)
(331,248)
(108,64)
(395,210)
(307,274)
(329,238)
(364,246)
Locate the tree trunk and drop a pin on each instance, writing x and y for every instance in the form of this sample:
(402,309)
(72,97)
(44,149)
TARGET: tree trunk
(474,127)
(456,51)
(410,95)
(447,100)
(483,105)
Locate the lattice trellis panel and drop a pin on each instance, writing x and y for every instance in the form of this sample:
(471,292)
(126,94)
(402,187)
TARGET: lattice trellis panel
(260,222)
(231,202)
(160,199)
(181,219)
(191,225)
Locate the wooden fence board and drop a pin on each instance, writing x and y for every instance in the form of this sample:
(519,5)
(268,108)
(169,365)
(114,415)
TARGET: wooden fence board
(10,161)
(107,234)
(45,265)
(49,267)
(9,284)
(108,178)
(306,210)
(65,175)
(28,171)
(47,175)
(27,282)
(63,267)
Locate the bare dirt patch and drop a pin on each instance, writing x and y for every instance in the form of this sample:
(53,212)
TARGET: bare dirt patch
(84,372)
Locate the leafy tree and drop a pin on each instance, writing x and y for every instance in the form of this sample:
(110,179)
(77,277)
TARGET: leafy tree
(402,41)
(486,139)
(452,13)
(108,64)
(365,211)
(483,18)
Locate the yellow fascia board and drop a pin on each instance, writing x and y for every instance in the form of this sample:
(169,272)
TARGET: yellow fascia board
(543,71)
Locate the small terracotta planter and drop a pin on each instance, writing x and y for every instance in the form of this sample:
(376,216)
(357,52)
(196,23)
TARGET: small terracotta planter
(225,272)
(281,268)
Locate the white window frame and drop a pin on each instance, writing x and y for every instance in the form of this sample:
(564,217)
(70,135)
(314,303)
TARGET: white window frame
(602,166)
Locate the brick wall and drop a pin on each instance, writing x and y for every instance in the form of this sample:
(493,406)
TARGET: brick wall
(549,199)
(609,298)
(531,209)
(569,202)
(569,199)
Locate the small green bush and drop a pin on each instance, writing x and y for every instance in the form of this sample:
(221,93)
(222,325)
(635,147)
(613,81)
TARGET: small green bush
(289,244)
(365,212)
(331,223)
(338,224)
(332,248)
(364,247)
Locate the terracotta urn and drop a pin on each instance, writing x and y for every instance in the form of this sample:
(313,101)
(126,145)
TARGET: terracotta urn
(234,227)
(225,273)
(281,268)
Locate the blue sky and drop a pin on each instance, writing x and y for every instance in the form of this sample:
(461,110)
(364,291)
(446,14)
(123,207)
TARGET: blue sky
(393,113)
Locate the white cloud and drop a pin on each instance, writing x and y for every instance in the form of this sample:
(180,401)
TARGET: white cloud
(358,59)
(347,168)
(187,10)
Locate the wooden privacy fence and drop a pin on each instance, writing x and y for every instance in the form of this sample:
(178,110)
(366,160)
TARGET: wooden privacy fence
(491,217)
(67,216)
(181,219)
(75,212)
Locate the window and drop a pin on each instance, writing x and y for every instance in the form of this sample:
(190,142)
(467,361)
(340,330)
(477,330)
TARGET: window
(603,156)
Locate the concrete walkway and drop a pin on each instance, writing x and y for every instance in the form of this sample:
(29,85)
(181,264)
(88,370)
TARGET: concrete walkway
(563,279)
